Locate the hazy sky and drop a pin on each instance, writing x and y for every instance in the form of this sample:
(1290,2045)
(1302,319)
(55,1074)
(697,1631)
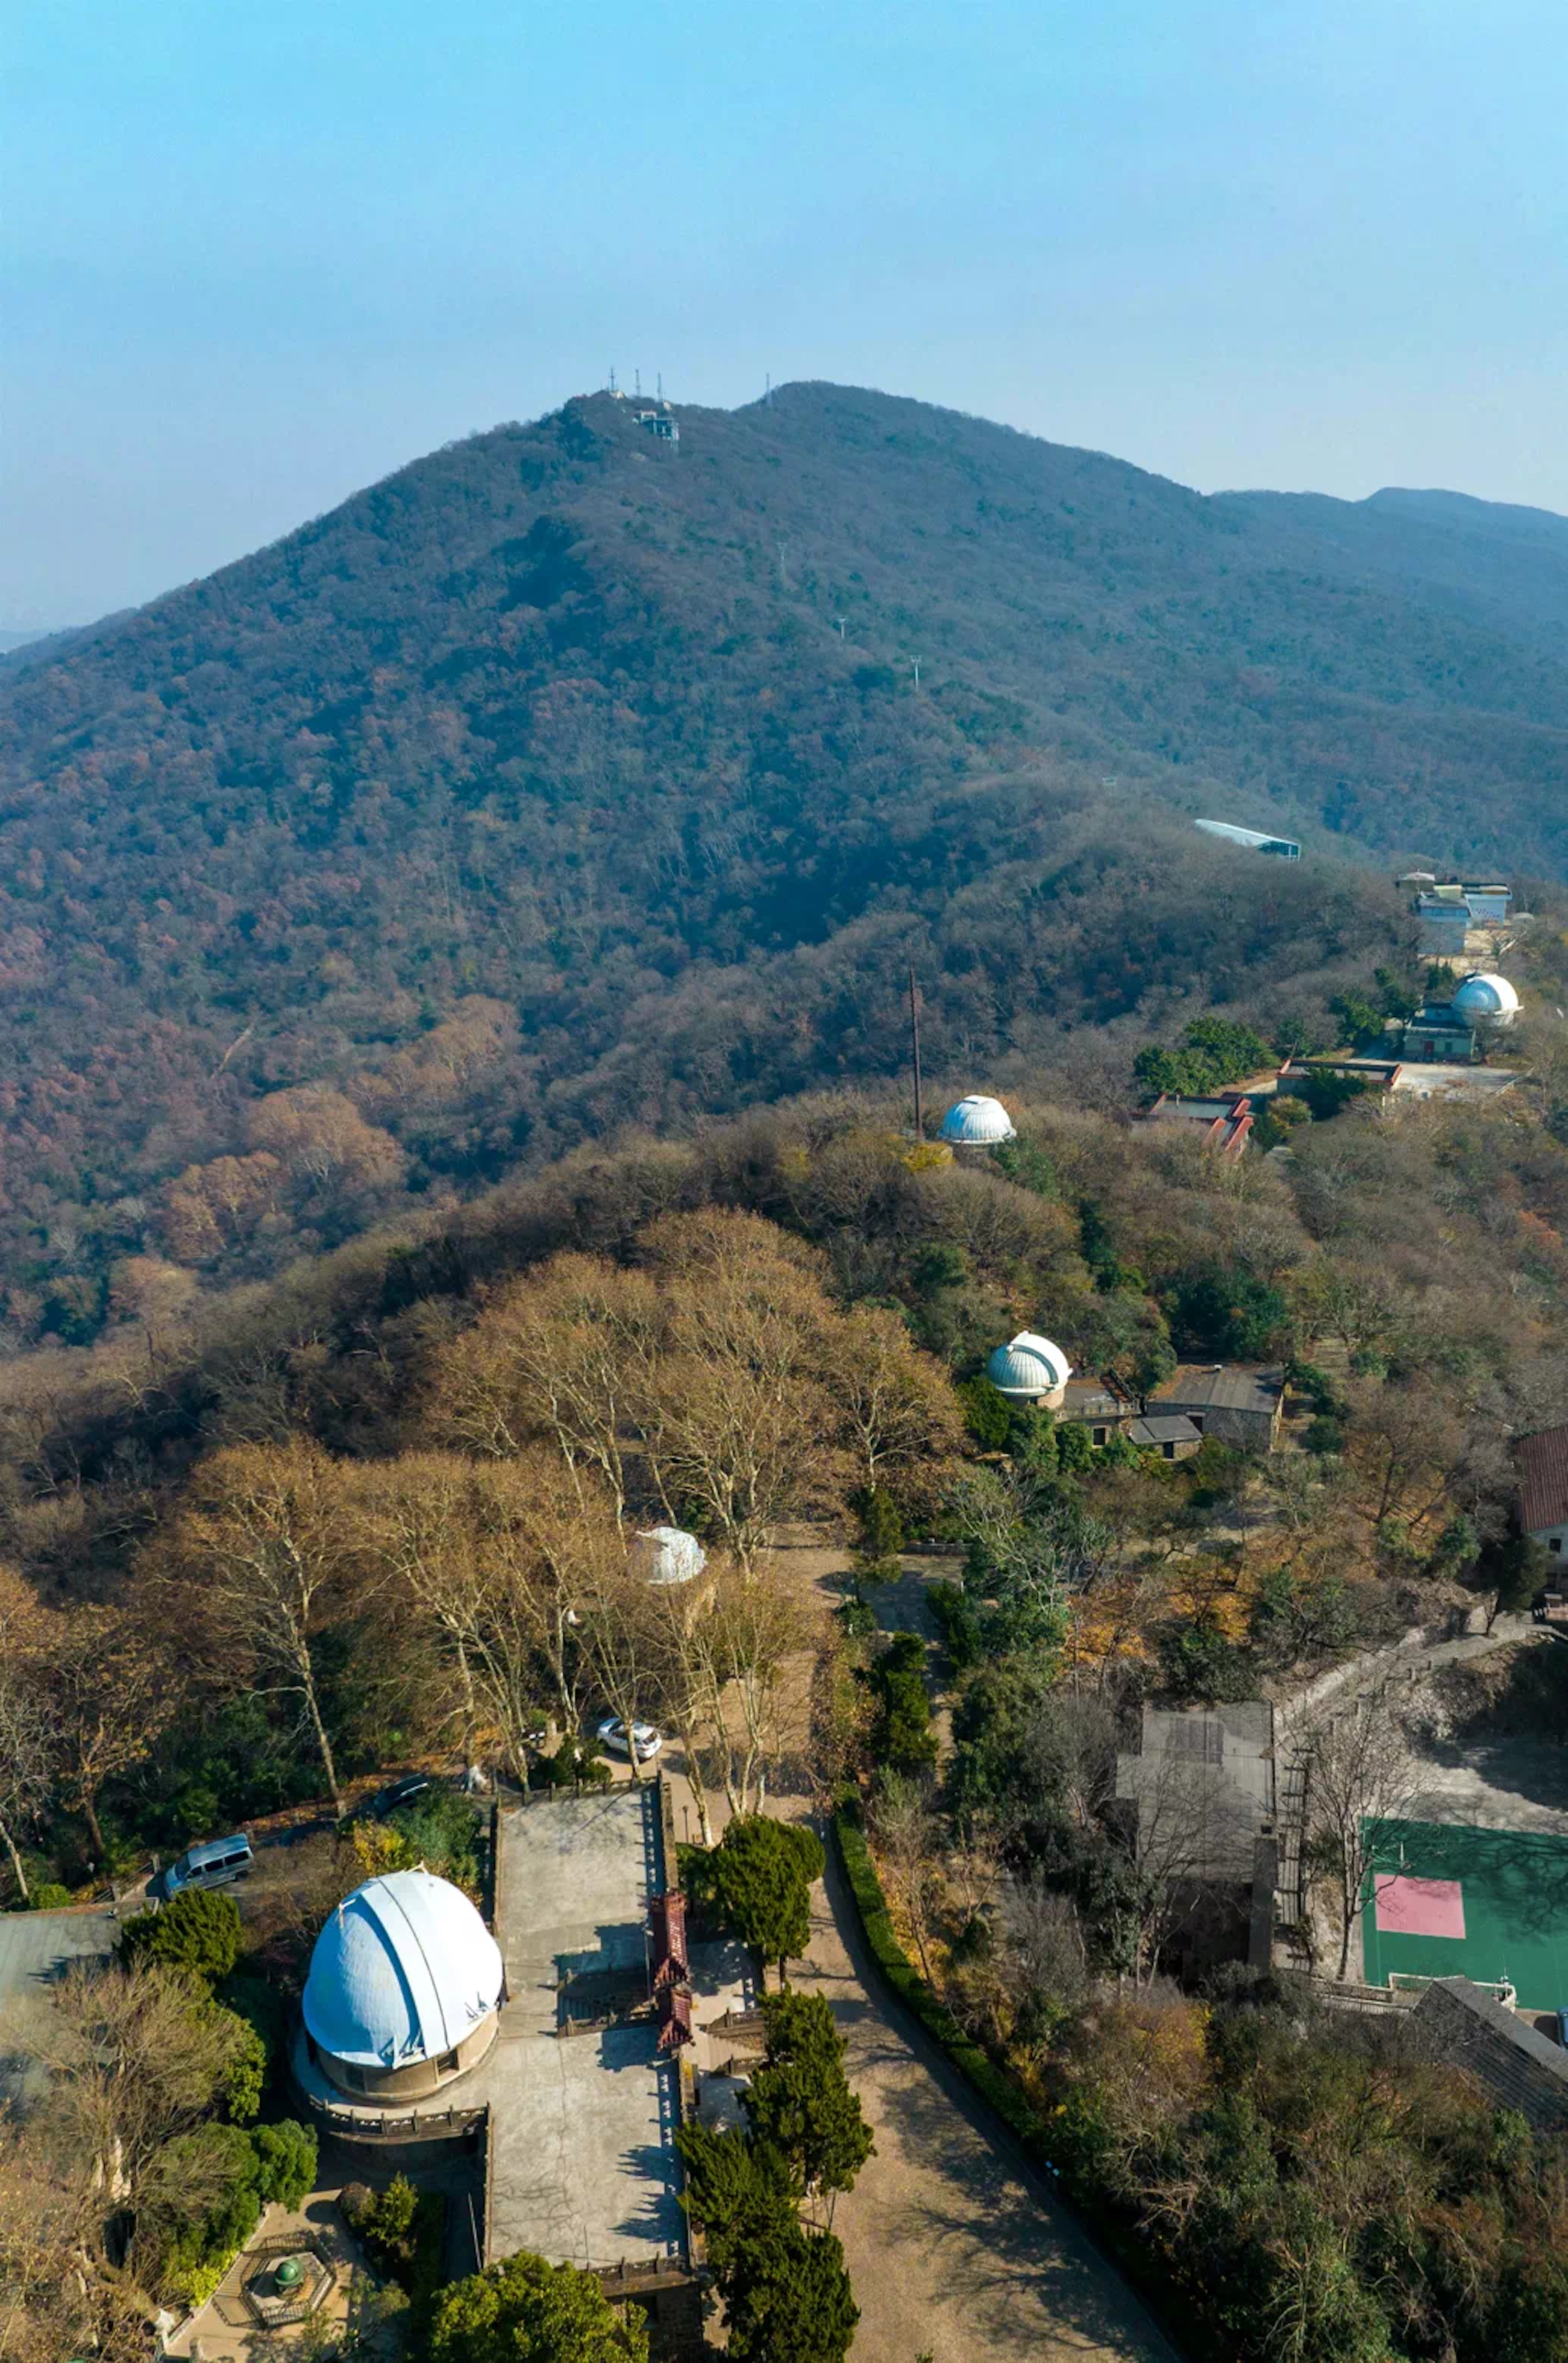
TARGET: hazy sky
(258,252)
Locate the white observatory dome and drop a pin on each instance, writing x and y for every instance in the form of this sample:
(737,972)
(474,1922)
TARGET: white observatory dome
(1486,1000)
(977,1122)
(667,1555)
(404,1972)
(1028,1368)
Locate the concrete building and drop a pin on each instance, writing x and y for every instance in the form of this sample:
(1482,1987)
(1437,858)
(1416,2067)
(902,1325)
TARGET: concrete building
(1234,1400)
(1543,1488)
(1457,1031)
(405,1987)
(1099,1404)
(1285,848)
(1448,909)
(1520,2067)
(1170,1433)
(1200,1791)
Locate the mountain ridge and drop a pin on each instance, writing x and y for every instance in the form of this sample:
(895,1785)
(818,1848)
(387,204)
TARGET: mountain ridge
(622,740)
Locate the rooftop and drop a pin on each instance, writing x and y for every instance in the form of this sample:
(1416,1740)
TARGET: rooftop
(583,2126)
(1544,1480)
(1228,1386)
(1521,2069)
(1203,1786)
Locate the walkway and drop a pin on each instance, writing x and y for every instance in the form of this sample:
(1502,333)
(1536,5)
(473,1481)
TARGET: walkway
(954,2249)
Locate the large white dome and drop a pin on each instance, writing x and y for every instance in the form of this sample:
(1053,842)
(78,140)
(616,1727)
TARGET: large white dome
(1483,999)
(667,1555)
(977,1122)
(1028,1368)
(404,1970)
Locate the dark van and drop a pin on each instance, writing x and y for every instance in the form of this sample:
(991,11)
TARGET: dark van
(212,1865)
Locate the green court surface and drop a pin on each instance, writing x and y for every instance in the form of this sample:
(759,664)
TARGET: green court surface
(1508,1888)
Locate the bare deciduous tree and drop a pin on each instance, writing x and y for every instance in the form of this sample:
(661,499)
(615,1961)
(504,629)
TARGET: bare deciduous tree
(561,1355)
(1359,1770)
(28,1733)
(267,1549)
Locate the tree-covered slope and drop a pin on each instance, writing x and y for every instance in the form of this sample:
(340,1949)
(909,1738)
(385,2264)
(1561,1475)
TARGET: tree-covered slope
(570,778)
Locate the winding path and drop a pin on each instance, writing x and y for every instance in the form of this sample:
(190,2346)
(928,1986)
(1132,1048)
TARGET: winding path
(955,2246)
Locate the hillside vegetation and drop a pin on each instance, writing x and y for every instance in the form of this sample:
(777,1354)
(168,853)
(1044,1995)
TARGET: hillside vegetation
(568,780)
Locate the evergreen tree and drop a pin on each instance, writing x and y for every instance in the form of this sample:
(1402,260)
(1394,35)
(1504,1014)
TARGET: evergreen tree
(525,2310)
(800,2103)
(762,1872)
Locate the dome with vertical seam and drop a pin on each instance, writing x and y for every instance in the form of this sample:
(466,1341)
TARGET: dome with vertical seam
(404,1970)
(1027,1368)
(977,1122)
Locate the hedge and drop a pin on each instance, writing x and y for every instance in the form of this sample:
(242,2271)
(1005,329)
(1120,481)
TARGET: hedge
(1132,2256)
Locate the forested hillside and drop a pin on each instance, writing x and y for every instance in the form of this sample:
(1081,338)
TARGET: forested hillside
(570,779)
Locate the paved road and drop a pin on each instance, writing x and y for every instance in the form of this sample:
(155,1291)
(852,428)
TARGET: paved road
(952,2247)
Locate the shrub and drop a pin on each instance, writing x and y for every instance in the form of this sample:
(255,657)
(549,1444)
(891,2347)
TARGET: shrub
(987,1416)
(955,1613)
(285,2158)
(1199,1662)
(857,1618)
(49,1896)
(199,1932)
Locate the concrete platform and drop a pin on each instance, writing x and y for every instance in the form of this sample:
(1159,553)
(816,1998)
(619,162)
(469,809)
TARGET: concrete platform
(582,2165)
(36,1950)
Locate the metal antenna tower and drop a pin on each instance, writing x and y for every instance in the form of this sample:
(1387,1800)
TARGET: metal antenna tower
(914,1038)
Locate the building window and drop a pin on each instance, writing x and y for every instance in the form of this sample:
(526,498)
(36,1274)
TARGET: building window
(1196,1419)
(448,2064)
(1169,1451)
(1100,1435)
(1555,1544)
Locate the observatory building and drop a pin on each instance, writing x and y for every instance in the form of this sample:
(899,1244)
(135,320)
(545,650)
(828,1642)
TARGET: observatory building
(1030,1369)
(404,1985)
(976,1123)
(665,1555)
(1454,1032)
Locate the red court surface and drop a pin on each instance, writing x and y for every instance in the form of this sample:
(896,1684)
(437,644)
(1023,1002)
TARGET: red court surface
(1419,1907)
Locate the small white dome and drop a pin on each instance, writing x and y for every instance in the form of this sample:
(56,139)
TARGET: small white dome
(1028,1368)
(977,1122)
(404,1970)
(667,1555)
(1481,1000)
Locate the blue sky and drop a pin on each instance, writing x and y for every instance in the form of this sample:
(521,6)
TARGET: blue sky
(256,252)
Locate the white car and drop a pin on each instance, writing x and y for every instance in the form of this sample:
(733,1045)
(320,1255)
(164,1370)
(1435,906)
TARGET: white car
(612,1736)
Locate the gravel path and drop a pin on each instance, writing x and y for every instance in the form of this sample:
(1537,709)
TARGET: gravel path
(955,2247)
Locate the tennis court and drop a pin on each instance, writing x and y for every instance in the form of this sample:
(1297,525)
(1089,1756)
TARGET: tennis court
(1444,1901)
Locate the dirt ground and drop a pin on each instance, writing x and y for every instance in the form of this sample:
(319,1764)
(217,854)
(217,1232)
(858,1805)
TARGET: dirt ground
(955,2249)
(1489,1739)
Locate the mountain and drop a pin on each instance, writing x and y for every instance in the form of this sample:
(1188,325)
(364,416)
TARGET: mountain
(573,777)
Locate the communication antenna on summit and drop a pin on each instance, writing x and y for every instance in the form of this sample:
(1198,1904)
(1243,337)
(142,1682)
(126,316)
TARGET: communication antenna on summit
(611,379)
(637,383)
(661,385)
(767,390)
(914,1038)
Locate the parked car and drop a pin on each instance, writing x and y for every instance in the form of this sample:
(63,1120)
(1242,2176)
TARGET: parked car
(212,1864)
(407,1791)
(612,1736)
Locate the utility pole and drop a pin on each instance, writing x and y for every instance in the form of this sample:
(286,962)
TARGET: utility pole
(914,1037)
(839,621)
(915,662)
